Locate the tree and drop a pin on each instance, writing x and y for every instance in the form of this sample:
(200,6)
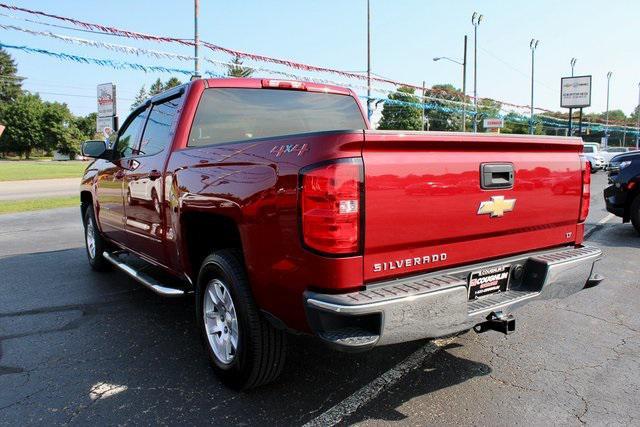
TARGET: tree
(10,83)
(237,69)
(172,82)
(87,125)
(140,97)
(70,140)
(444,116)
(401,115)
(59,130)
(22,119)
(156,87)
(615,116)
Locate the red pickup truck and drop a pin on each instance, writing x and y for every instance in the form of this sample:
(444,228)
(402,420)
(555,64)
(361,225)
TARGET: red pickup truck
(274,204)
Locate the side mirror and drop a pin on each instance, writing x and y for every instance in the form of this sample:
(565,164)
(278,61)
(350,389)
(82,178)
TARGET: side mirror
(96,149)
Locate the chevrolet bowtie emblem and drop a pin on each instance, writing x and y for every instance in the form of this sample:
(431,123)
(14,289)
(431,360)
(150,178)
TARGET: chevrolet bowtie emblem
(497,206)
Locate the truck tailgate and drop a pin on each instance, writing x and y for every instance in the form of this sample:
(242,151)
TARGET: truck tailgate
(425,208)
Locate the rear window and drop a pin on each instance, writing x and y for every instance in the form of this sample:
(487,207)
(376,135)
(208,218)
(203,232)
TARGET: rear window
(226,115)
(589,149)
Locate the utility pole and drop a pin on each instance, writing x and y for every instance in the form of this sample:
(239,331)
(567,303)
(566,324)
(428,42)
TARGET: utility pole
(464,81)
(196,39)
(424,110)
(573,64)
(606,126)
(476,18)
(532,45)
(369,111)
(464,86)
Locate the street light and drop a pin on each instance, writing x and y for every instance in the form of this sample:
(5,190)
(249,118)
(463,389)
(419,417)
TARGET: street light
(369,111)
(464,82)
(196,40)
(476,18)
(573,64)
(606,125)
(532,45)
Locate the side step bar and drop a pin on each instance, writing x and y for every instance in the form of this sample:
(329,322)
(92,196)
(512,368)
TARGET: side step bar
(146,280)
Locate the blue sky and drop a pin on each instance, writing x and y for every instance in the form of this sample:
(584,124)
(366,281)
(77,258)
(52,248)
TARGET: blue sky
(406,35)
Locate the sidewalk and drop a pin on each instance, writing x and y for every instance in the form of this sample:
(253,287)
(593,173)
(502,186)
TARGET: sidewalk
(39,188)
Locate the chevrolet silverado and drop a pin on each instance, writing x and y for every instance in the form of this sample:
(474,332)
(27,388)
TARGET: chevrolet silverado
(279,210)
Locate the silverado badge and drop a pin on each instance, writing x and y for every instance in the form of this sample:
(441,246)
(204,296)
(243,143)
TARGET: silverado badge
(497,206)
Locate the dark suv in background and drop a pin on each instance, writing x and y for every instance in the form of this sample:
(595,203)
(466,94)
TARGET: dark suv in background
(623,195)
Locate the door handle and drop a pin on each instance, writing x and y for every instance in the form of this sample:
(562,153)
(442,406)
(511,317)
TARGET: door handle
(154,174)
(496,175)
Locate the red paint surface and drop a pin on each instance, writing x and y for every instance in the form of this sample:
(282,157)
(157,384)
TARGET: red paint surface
(421,196)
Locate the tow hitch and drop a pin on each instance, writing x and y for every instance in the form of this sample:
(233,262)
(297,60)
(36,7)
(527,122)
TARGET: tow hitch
(497,321)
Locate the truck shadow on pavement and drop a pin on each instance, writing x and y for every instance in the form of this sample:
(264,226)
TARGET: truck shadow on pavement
(616,235)
(78,346)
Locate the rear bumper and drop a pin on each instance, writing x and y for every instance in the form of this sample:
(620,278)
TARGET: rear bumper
(437,304)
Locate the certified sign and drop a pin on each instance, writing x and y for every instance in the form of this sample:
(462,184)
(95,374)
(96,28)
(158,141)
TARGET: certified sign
(104,125)
(575,92)
(106,100)
(492,123)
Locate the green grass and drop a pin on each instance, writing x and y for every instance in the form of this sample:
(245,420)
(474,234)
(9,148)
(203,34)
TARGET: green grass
(13,206)
(19,170)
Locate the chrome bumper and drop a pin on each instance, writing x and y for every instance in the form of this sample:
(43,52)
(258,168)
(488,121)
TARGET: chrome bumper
(434,305)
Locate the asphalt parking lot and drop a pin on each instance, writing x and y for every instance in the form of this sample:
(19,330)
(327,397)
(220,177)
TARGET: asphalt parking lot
(77,347)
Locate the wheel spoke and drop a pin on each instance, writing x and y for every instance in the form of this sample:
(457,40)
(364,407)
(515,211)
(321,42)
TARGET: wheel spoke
(228,348)
(220,321)
(233,339)
(219,292)
(213,297)
(228,304)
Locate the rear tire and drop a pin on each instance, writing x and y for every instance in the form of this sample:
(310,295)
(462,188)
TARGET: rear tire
(94,242)
(244,349)
(635,213)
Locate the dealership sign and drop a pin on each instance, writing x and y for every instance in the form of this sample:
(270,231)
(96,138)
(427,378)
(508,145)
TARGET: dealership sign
(106,100)
(493,123)
(575,92)
(104,126)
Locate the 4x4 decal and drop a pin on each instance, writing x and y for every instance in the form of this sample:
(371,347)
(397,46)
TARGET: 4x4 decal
(279,150)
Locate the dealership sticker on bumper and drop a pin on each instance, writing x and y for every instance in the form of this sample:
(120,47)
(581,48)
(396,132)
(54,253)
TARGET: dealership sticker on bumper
(488,281)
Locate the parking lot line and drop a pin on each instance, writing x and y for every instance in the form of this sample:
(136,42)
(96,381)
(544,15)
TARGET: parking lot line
(367,393)
(606,218)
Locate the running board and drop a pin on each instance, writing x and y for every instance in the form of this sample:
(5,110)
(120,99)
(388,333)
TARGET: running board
(146,280)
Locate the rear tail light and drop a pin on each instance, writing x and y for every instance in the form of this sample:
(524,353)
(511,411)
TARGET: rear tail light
(586,189)
(283,84)
(331,206)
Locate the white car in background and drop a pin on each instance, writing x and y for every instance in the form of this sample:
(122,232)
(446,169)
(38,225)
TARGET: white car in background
(592,154)
(611,152)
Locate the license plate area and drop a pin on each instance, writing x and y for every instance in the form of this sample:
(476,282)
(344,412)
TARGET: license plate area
(488,281)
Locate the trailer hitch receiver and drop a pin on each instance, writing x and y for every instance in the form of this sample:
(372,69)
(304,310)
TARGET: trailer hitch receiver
(499,322)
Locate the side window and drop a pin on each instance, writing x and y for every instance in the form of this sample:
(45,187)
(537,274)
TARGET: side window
(159,130)
(127,142)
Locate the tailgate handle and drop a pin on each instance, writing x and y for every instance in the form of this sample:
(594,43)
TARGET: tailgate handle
(496,175)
